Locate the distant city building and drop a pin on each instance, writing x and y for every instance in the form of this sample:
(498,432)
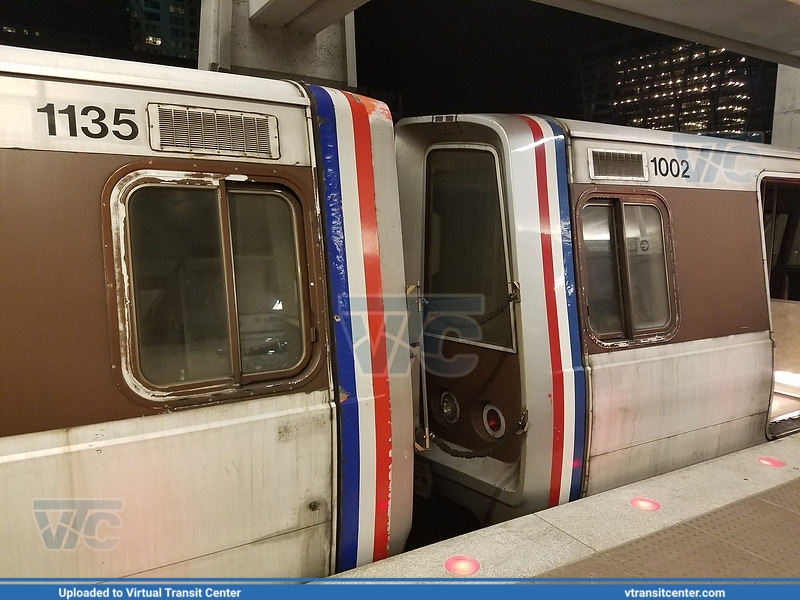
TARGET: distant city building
(77,26)
(161,31)
(166,27)
(662,83)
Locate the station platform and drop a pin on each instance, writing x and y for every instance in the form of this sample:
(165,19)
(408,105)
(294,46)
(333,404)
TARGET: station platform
(737,516)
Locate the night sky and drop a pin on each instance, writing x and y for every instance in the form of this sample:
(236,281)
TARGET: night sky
(448,56)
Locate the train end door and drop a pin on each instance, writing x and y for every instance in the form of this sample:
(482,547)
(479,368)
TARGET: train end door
(486,249)
(780,197)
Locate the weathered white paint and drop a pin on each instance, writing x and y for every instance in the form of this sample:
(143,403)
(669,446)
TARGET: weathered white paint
(615,469)
(709,162)
(658,408)
(387,207)
(122,73)
(212,482)
(266,557)
(308,49)
(23,126)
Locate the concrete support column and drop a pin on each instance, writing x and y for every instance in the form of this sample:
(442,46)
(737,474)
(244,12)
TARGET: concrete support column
(786,122)
(231,41)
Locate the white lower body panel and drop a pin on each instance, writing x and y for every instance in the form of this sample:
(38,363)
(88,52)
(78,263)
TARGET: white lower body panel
(244,488)
(304,551)
(664,407)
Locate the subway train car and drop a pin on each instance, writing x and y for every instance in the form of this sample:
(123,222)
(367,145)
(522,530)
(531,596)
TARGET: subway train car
(242,320)
(194,374)
(602,291)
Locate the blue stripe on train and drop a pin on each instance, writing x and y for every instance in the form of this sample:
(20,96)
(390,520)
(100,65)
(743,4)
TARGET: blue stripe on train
(344,363)
(572,312)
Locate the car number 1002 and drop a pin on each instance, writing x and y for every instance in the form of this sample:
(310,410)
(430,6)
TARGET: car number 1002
(671,168)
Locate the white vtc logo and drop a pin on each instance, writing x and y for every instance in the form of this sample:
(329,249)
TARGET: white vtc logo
(76,520)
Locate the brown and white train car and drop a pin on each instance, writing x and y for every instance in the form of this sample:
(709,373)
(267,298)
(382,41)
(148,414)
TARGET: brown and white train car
(623,306)
(167,366)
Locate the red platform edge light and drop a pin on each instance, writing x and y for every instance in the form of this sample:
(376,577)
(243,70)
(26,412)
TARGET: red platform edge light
(771,462)
(645,503)
(462,565)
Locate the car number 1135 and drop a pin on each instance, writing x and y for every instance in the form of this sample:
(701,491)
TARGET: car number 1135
(122,127)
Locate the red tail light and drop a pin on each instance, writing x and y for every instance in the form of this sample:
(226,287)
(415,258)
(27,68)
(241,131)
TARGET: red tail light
(493,420)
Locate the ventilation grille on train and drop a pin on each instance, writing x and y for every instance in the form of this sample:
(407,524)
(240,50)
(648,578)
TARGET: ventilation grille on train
(617,164)
(208,131)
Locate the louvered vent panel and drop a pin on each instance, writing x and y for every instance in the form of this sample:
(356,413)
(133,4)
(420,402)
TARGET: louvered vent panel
(206,131)
(618,164)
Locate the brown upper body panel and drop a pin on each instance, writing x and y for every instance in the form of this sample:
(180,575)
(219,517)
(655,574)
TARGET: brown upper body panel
(717,266)
(57,350)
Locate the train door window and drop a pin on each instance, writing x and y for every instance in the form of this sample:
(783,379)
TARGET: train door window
(465,240)
(216,285)
(626,263)
(602,271)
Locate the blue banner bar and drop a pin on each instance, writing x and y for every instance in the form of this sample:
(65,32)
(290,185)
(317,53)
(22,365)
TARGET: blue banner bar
(466,589)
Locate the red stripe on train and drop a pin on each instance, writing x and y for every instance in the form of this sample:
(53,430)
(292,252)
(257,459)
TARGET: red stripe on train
(552,313)
(361,107)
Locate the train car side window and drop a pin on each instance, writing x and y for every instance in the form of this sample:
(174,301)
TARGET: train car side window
(627,264)
(178,284)
(644,240)
(216,285)
(268,297)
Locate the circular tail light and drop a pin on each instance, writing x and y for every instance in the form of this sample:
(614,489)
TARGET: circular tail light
(450,408)
(494,421)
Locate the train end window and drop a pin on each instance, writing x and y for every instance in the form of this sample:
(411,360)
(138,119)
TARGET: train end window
(627,267)
(782,238)
(465,240)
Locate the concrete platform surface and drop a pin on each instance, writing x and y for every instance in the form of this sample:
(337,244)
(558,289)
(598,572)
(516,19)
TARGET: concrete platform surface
(731,517)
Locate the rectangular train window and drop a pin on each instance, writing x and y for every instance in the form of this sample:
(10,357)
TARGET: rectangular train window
(465,244)
(216,284)
(627,267)
(782,237)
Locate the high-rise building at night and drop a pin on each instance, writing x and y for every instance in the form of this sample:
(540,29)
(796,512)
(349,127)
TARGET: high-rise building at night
(163,31)
(678,86)
(166,27)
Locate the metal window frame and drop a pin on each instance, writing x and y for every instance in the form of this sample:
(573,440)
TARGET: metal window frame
(119,283)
